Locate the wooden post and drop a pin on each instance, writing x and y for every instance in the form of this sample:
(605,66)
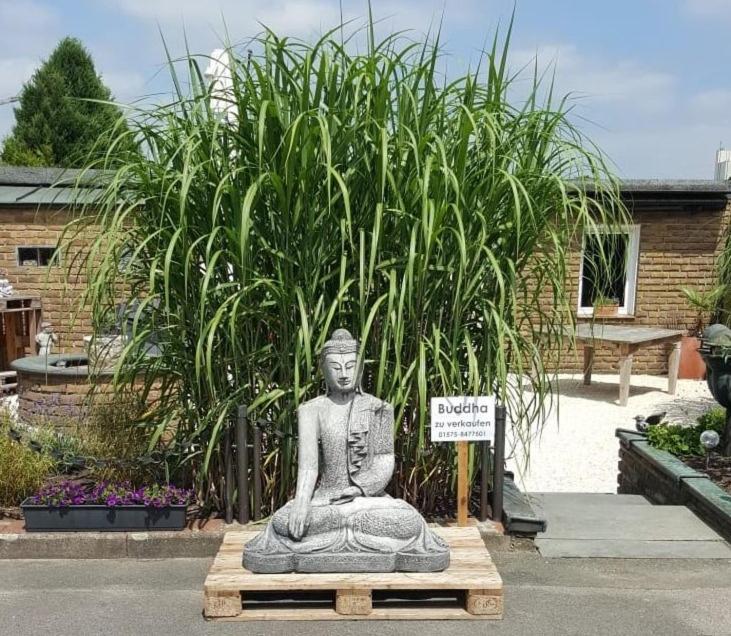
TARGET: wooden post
(484,477)
(242,464)
(229,472)
(625,373)
(462,482)
(673,367)
(588,363)
(256,470)
(498,480)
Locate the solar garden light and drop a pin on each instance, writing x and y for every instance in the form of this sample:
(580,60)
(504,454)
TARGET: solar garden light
(709,441)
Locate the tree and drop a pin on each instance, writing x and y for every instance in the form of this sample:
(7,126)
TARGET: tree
(57,123)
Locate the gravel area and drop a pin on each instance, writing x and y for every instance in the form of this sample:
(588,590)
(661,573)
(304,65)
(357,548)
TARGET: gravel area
(576,451)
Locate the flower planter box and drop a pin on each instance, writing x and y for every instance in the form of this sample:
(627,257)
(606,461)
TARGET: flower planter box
(101,518)
(606,311)
(665,480)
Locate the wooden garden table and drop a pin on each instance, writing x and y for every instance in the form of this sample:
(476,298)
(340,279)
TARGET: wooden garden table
(627,340)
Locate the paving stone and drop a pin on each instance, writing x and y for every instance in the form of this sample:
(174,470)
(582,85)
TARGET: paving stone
(624,526)
(633,549)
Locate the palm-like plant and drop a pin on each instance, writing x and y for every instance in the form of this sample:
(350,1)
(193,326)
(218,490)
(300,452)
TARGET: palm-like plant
(428,215)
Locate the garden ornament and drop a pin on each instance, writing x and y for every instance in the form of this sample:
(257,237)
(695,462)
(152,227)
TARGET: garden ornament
(46,339)
(6,289)
(341,519)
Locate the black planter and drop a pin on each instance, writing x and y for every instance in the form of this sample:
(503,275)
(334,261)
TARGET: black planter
(718,377)
(101,518)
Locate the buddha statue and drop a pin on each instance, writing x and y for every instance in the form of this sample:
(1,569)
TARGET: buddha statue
(341,519)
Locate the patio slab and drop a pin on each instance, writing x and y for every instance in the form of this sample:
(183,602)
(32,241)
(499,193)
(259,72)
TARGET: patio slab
(585,525)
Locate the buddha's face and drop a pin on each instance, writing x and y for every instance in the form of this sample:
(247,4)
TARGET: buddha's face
(341,371)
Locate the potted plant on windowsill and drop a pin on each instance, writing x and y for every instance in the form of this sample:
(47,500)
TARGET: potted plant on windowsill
(692,366)
(605,307)
(68,506)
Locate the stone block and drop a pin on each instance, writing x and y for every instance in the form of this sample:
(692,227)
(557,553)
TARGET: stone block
(63,545)
(171,545)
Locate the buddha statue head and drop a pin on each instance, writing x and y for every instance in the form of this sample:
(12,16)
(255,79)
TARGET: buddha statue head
(339,362)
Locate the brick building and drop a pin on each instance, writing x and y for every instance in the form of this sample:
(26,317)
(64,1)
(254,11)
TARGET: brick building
(677,230)
(33,214)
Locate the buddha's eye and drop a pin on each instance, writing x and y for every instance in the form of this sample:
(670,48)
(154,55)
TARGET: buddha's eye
(350,365)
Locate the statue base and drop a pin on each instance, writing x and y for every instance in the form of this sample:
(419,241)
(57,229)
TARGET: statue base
(233,593)
(345,562)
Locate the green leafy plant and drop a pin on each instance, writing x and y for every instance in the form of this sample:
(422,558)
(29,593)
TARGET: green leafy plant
(63,447)
(685,440)
(605,301)
(22,470)
(433,218)
(705,302)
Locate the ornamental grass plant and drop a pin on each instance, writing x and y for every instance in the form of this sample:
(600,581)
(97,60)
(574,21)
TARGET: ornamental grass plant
(429,214)
(22,470)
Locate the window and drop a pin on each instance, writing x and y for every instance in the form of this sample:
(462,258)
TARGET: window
(609,269)
(36,256)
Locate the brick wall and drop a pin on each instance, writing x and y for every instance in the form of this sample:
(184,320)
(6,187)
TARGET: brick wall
(43,227)
(58,400)
(677,249)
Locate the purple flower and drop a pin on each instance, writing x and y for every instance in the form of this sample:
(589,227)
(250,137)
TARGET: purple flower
(67,493)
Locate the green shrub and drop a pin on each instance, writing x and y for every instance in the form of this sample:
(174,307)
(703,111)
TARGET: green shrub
(113,435)
(685,440)
(63,447)
(714,419)
(22,470)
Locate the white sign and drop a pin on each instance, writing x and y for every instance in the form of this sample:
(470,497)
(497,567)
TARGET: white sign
(462,419)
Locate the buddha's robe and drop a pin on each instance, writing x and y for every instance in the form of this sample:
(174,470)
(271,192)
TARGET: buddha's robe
(355,449)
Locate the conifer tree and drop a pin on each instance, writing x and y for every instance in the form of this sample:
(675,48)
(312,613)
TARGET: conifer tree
(56,124)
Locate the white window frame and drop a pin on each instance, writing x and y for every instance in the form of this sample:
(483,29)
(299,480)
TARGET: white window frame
(630,284)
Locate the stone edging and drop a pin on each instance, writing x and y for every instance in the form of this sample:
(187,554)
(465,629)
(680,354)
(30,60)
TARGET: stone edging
(664,479)
(154,545)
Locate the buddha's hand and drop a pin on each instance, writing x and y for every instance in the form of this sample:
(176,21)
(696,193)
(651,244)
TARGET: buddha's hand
(298,519)
(348,494)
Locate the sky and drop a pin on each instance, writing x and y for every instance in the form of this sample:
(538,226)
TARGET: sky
(651,79)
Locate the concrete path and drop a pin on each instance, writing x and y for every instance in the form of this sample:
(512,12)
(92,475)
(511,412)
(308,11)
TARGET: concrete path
(129,597)
(623,526)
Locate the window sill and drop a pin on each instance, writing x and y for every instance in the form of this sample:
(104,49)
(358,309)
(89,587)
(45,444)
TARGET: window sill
(589,317)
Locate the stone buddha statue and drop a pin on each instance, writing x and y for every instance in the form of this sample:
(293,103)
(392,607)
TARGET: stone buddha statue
(341,519)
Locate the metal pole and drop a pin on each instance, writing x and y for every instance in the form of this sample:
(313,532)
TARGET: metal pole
(242,464)
(499,468)
(257,473)
(484,478)
(229,470)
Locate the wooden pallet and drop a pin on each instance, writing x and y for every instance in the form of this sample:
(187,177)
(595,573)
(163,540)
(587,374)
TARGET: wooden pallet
(8,381)
(472,580)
